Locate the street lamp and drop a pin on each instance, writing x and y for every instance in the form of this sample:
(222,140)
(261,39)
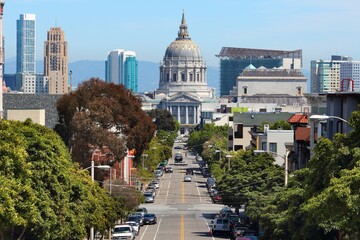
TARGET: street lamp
(326,117)
(320,119)
(288,147)
(228,158)
(143,158)
(218,151)
(92,179)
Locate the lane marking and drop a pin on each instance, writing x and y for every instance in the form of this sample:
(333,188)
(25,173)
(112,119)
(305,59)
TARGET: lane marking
(158,227)
(198,190)
(182,190)
(143,234)
(167,192)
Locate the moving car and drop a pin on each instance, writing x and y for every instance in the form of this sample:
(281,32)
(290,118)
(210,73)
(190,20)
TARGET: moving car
(150,218)
(169,170)
(187,178)
(123,232)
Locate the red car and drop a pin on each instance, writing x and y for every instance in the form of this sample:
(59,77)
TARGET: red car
(216,198)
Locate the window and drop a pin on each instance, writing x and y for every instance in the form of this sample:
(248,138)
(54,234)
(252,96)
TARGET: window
(174,77)
(238,147)
(273,147)
(183,77)
(245,90)
(239,131)
(299,90)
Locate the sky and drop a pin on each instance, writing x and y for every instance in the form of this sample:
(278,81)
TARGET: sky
(320,28)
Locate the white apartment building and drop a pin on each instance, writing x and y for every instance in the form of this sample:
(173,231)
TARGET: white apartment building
(350,70)
(33,83)
(330,76)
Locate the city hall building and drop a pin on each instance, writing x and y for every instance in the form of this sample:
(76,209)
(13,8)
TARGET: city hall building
(183,88)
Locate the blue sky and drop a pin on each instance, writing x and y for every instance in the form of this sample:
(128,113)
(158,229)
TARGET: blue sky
(93,28)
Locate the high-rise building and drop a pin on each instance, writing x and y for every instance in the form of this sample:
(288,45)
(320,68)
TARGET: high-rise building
(131,74)
(234,60)
(2,3)
(121,67)
(25,44)
(33,83)
(326,75)
(112,69)
(56,61)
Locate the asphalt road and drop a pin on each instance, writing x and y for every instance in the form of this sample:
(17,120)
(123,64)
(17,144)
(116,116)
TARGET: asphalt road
(183,209)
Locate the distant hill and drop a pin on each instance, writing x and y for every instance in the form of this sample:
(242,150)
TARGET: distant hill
(148,73)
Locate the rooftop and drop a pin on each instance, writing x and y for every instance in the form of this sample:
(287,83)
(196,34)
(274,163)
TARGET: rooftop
(263,72)
(248,53)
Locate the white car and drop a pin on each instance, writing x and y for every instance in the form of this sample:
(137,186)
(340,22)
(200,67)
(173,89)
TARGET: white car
(122,232)
(187,178)
(135,226)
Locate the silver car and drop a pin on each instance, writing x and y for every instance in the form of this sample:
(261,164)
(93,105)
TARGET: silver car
(149,198)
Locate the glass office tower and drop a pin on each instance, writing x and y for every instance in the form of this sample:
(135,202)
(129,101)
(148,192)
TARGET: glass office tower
(25,44)
(131,73)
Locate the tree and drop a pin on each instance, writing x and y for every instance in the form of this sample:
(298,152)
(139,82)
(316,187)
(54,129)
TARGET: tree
(42,191)
(163,120)
(102,114)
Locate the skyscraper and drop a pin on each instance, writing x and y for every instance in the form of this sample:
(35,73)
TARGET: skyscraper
(56,61)
(25,44)
(131,74)
(2,3)
(121,67)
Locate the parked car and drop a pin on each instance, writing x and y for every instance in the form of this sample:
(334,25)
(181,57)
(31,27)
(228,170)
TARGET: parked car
(136,218)
(210,182)
(225,211)
(220,226)
(142,210)
(135,226)
(187,178)
(169,169)
(150,218)
(123,232)
(238,231)
(216,198)
(149,198)
(151,187)
(156,183)
(158,173)
(152,191)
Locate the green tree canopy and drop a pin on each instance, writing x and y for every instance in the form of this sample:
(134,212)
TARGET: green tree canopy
(42,191)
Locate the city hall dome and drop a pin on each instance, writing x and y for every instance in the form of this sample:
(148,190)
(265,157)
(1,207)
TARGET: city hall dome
(183,69)
(183,48)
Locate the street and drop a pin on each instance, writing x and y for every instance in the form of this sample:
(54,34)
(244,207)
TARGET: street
(183,209)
